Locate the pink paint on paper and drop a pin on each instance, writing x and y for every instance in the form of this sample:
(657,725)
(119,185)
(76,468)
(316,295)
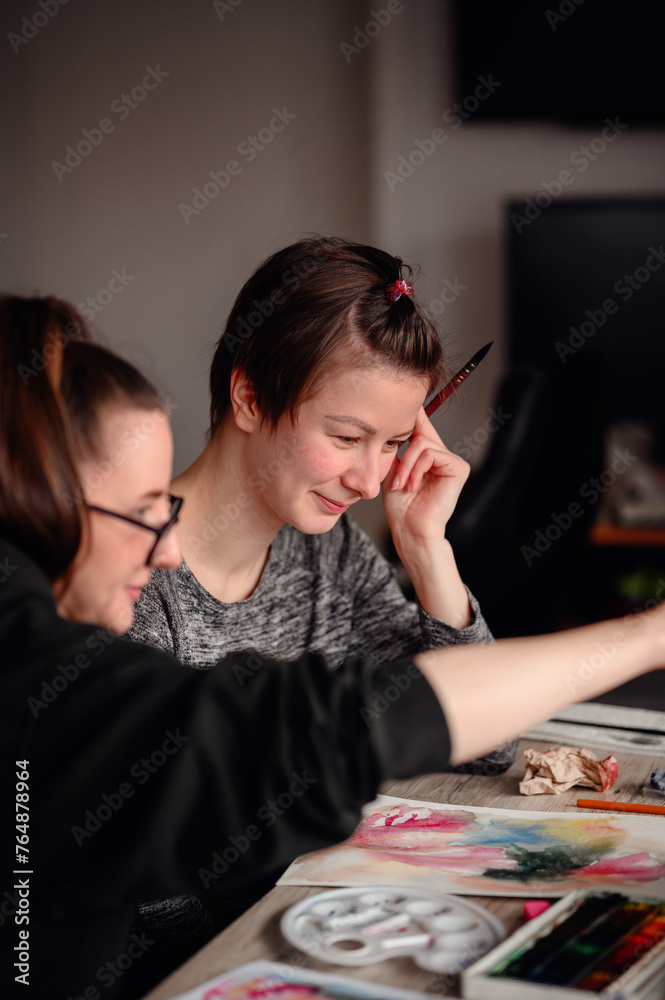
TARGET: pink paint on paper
(632,867)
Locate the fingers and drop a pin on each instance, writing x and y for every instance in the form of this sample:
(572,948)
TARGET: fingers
(422,458)
(425,428)
(393,479)
(425,433)
(426,453)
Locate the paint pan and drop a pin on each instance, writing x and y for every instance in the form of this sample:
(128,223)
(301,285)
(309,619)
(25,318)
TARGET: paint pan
(360,926)
(590,944)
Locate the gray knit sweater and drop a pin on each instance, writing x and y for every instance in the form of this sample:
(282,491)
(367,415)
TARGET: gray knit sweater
(332,593)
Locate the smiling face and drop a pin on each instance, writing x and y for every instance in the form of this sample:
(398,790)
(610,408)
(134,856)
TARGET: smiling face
(341,448)
(131,476)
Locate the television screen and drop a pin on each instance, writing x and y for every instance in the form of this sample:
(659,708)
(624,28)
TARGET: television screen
(587,292)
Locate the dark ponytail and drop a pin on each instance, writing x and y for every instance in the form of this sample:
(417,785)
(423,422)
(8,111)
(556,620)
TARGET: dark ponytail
(54,383)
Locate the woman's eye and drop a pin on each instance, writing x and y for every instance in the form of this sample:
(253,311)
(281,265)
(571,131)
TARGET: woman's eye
(394,444)
(140,513)
(348,440)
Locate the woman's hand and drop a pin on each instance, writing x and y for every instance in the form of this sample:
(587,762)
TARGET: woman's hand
(419,495)
(422,488)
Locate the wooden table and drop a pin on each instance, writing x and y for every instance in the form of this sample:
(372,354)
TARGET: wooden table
(256,934)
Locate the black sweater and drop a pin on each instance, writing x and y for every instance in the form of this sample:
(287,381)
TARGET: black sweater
(148,778)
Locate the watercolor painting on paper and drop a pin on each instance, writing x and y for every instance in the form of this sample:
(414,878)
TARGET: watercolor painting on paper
(499,852)
(275,981)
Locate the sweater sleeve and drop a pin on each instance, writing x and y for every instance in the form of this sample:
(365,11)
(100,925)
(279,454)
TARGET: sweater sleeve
(148,778)
(385,623)
(173,767)
(136,757)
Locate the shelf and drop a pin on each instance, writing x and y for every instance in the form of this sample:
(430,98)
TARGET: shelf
(603,533)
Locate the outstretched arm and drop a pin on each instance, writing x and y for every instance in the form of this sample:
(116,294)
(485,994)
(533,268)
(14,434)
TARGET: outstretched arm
(493,692)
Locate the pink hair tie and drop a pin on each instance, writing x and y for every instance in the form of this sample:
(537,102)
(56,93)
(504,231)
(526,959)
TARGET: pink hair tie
(396,289)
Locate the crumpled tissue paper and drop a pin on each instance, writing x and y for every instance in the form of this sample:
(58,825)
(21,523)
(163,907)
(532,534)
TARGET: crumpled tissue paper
(551,772)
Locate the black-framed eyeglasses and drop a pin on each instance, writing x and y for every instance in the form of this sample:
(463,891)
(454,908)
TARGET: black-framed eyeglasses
(176,504)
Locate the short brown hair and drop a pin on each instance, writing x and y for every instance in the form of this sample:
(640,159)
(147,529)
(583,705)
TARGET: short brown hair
(55,382)
(317,305)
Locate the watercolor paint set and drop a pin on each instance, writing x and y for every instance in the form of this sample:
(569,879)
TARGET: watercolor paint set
(361,926)
(606,945)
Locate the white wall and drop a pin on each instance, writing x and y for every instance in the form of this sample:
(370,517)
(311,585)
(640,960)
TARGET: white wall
(119,208)
(355,116)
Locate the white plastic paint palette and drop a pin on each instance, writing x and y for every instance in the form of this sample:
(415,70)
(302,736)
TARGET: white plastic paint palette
(361,926)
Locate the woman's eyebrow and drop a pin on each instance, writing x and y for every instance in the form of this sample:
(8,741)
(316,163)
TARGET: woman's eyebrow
(152,495)
(353,420)
(364,426)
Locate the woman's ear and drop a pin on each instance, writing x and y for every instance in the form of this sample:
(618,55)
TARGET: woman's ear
(243,402)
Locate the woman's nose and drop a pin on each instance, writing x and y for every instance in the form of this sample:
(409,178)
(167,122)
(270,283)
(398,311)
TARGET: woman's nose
(168,554)
(364,478)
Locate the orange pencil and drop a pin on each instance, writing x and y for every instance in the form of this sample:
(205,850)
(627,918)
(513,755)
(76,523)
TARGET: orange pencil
(621,806)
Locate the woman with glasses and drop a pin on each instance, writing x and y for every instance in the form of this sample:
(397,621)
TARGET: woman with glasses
(133,773)
(132,770)
(175,503)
